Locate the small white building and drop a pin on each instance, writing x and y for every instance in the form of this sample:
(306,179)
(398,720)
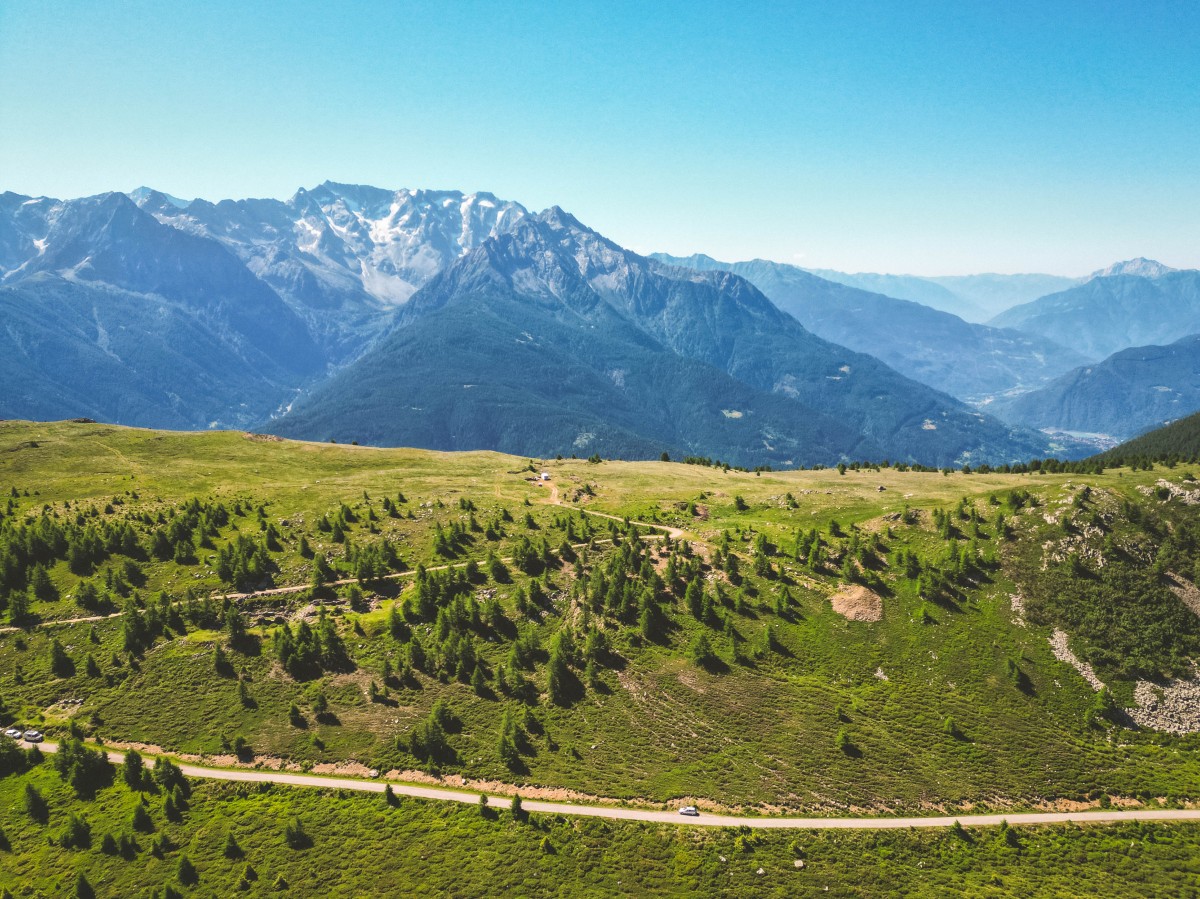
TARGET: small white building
(545,475)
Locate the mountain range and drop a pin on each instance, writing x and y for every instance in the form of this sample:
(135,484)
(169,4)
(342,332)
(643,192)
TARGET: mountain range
(451,320)
(558,339)
(1111,312)
(974,298)
(970,361)
(342,255)
(110,314)
(1129,392)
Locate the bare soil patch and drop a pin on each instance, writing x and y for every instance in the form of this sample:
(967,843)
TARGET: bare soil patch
(857,603)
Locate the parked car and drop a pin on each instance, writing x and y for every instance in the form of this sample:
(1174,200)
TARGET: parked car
(690,810)
(33,736)
(14,732)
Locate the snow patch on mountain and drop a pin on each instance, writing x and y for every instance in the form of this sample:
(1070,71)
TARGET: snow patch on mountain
(1141,267)
(345,238)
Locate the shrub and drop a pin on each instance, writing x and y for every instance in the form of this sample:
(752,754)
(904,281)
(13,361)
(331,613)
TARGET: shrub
(295,836)
(35,804)
(842,741)
(141,819)
(83,889)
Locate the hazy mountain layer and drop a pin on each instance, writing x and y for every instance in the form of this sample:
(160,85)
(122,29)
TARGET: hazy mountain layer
(975,298)
(1108,314)
(971,362)
(1130,391)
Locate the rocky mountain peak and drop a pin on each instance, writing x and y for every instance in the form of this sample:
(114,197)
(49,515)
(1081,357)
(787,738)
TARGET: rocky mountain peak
(1140,267)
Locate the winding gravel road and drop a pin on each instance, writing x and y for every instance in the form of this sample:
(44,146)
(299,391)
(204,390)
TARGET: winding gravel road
(623,813)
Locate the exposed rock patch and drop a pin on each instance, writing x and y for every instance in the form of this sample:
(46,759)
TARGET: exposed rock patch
(1174,491)
(1173,707)
(1018,606)
(1062,651)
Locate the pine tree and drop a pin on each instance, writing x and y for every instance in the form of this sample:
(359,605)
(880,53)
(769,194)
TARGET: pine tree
(133,770)
(35,804)
(142,820)
(83,889)
(186,871)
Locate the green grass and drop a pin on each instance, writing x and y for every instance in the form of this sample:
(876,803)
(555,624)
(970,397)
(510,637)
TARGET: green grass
(762,734)
(359,846)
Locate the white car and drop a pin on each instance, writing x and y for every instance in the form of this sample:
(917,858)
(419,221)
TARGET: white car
(690,811)
(14,732)
(33,736)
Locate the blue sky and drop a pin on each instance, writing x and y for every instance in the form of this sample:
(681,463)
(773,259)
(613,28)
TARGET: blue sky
(926,137)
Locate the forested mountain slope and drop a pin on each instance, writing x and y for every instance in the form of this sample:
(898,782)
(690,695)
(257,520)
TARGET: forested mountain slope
(564,342)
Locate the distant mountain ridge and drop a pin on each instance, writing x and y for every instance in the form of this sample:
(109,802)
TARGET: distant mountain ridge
(974,298)
(1122,396)
(112,315)
(1109,313)
(563,341)
(969,361)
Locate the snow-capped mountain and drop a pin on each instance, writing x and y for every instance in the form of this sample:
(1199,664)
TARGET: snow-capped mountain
(25,223)
(340,254)
(1141,267)
(552,338)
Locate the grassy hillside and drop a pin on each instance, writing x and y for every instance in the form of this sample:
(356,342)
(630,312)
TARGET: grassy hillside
(226,840)
(552,649)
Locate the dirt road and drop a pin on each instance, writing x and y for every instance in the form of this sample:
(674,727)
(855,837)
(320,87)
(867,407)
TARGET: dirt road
(625,813)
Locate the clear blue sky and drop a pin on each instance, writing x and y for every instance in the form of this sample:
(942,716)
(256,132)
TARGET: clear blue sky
(927,137)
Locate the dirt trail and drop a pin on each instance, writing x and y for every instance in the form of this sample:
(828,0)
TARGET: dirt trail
(625,813)
(301,587)
(675,533)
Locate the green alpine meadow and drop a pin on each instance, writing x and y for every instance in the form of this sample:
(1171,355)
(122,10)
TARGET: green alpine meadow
(862,642)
